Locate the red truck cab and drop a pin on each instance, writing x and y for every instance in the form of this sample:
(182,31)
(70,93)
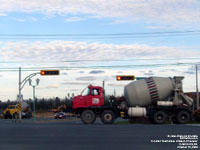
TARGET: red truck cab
(90,105)
(92,96)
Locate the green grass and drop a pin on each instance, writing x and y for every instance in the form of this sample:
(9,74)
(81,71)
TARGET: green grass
(194,122)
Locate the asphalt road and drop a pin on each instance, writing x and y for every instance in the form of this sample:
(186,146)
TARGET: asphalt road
(73,135)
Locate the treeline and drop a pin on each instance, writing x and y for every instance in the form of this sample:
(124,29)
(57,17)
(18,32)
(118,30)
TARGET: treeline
(53,103)
(40,104)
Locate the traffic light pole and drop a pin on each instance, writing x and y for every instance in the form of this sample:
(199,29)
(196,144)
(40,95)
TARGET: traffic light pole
(19,96)
(21,85)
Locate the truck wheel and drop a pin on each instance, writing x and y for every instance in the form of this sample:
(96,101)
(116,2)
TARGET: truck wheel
(108,117)
(88,117)
(159,117)
(183,117)
(29,115)
(15,116)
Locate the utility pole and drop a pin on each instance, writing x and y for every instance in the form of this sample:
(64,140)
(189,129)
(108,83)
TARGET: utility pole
(114,92)
(103,84)
(20,96)
(197,89)
(104,92)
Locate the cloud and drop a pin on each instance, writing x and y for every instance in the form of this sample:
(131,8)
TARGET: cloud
(97,72)
(120,72)
(28,19)
(149,73)
(64,50)
(2,15)
(20,20)
(64,73)
(189,72)
(74,19)
(149,11)
(74,90)
(116,85)
(81,71)
(94,78)
(159,27)
(87,78)
(74,83)
(54,86)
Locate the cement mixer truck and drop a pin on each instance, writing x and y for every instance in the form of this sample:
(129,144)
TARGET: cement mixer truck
(12,111)
(158,98)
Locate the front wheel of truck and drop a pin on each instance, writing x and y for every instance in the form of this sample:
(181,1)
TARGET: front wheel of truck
(88,117)
(183,117)
(108,117)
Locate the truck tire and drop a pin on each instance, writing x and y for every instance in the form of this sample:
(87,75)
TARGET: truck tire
(159,117)
(88,116)
(183,117)
(15,116)
(108,117)
(9,116)
(29,115)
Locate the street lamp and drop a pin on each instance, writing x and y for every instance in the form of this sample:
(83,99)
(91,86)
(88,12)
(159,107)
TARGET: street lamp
(30,84)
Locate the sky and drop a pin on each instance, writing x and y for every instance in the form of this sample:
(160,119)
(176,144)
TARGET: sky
(91,41)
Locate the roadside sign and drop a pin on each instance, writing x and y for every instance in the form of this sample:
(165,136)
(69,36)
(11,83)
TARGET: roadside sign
(19,97)
(19,105)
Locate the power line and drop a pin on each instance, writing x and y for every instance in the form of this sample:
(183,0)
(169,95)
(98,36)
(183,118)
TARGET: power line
(103,37)
(95,67)
(98,35)
(103,60)
(108,34)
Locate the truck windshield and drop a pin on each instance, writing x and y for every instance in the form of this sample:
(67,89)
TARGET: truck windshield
(85,92)
(11,107)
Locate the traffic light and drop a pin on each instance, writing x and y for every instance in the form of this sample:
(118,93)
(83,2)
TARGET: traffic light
(125,77)
(49,72)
